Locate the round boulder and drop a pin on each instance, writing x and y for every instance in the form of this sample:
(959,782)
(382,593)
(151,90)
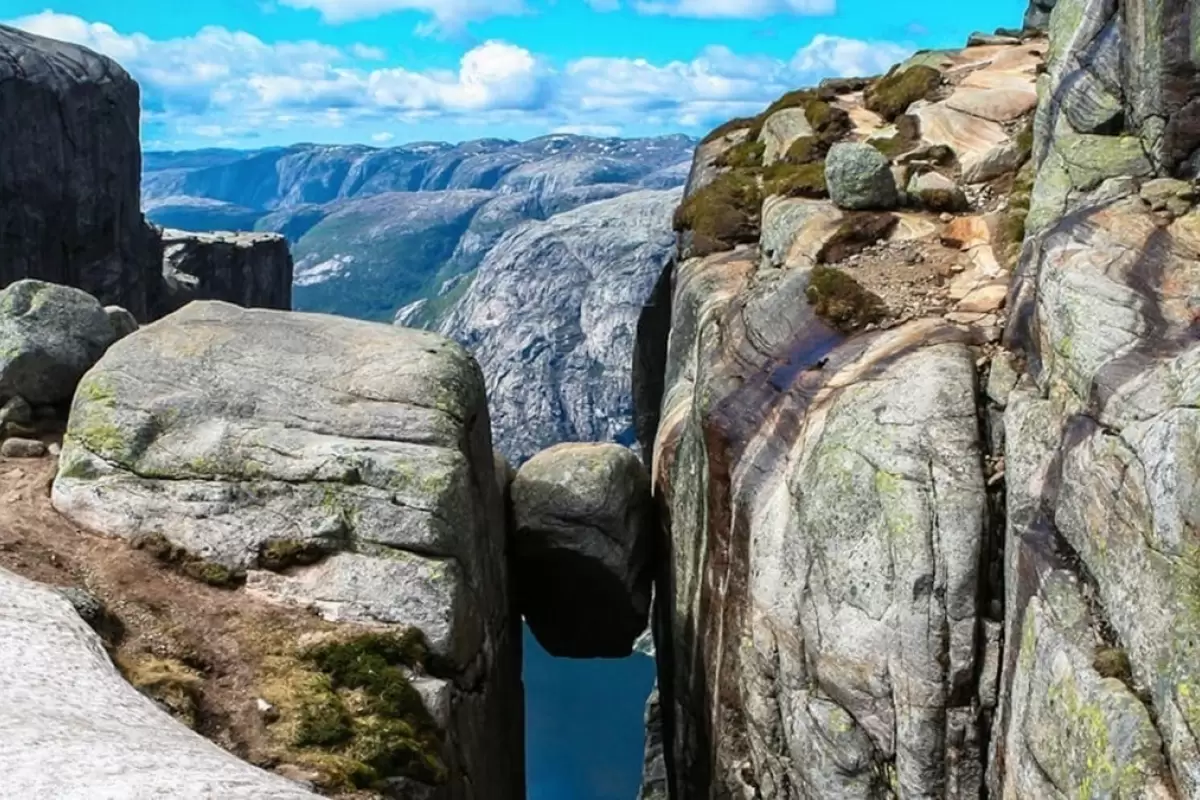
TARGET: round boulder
(50,335)
(584,531)
(860,177)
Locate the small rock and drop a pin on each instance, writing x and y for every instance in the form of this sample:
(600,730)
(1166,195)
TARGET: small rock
(268,711)
(54,449)
(22,448)
(16,410)
(123,322)
(985,299)
(1002,378)
(860,177)
(17,430)
(966,232)
(936,192)
(86,604)
(946,216)
(1168,194)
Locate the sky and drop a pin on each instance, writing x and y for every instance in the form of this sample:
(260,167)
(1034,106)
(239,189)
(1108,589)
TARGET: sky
(256,73)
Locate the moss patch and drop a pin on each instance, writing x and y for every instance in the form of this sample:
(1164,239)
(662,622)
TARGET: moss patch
(858,232)
(895,92)
(795,180)
(187,564)
(1010,233)
(350,707)
(745,155)
(842,301)
(173,684)
(281,554)
(1113,662)
(724,213)
(726,128)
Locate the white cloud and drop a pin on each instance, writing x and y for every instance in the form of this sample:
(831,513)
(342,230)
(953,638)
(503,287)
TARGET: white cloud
(449,14)
(735,9)
(367,53)
(588,130)
(232,84)
(848,58)
(382,137)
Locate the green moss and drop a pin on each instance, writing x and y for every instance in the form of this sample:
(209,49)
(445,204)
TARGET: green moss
(856,233)
(363,707)
(724,213)
(1010,233)
(280,554)
(941,200)
(795,180)
(187,564)
(1113,662)
(895,92)
(173,684)
(729,127)
(748,154)
(806,150)
(842,301)
(796,99)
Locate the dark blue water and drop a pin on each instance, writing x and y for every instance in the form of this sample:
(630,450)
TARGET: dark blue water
(583,723)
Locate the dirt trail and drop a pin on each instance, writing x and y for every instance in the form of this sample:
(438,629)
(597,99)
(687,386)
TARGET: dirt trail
(223,635)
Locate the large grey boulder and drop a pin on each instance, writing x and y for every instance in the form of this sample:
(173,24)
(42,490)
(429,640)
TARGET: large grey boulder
(251,269)
(70,170)
(50,336)
(860,177)
(73,728)
(583,540)
(240,436)
(551,315)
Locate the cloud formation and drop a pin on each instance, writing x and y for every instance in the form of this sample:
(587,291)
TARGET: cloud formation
(446,14)
(229,84)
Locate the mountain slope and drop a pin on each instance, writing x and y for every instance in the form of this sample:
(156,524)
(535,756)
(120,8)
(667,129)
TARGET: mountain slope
(375,230)
(551,314)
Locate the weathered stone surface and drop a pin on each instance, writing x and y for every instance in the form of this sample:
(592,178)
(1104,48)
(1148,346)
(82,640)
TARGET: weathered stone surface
(1037,16)
(251,269)
(984,149)
(229,431)
(70,173)
(860,177)
(551,316)
(16,410)
(72,728)
(22,448)
(123,323)
(654,767)
(583,540)
(791,464)
(50,335)
(780,130)
(936,192)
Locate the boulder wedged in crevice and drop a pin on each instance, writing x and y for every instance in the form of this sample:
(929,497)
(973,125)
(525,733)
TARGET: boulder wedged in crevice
(583,529)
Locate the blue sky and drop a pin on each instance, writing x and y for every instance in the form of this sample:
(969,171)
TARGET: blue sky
(252,73)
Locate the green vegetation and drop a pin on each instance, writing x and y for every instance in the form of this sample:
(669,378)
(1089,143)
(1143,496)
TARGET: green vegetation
(842,301)
(746,155)
(908,136)
(722,214)
(173,684)
(1011,228)
(895,92)
(187,564)
(351,706)
(1113,662)
(795,180)
(726,128)
(280,554)
(856,233)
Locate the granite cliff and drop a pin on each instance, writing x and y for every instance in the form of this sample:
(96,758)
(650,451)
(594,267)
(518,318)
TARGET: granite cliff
(70,187)
(918,387)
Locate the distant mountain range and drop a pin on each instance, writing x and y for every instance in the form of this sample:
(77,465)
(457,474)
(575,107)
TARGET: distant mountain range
(374,230)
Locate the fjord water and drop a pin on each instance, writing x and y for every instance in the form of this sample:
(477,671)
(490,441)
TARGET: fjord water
(583,725)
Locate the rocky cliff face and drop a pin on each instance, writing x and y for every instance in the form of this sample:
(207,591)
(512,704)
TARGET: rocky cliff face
(551,316)
(252,270)
(70,173)
(904,557)
(70,178)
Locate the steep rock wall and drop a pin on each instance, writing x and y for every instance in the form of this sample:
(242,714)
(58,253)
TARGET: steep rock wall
(70,171)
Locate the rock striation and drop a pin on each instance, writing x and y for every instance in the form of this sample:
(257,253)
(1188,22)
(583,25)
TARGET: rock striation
(252,270)
(551,314)
(582,539)
(924,475)
(70,175)
(322,462)
(74,728)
